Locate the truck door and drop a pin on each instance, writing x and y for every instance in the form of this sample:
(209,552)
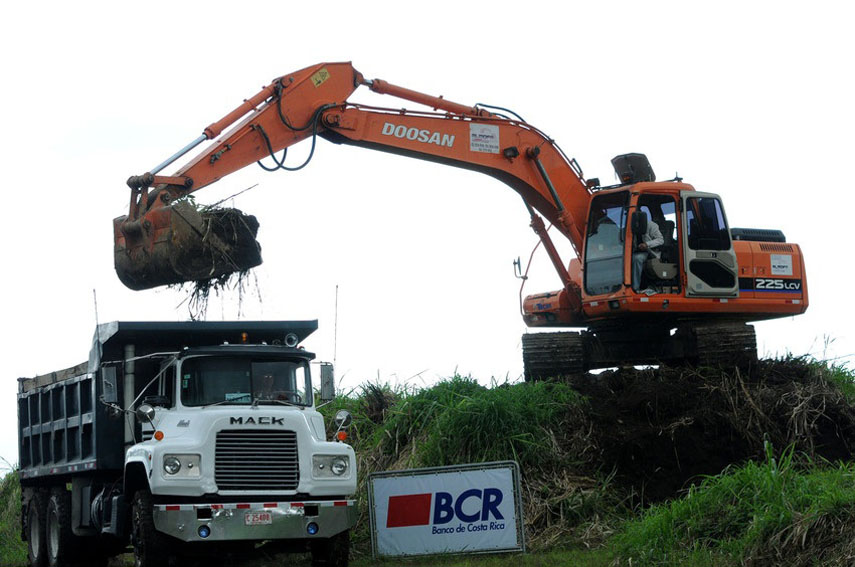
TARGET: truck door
(711,268)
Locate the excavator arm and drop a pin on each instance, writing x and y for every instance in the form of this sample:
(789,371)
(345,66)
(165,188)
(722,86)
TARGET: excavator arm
(165,240)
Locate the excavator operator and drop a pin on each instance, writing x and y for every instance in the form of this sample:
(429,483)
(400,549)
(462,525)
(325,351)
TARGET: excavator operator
(651,240)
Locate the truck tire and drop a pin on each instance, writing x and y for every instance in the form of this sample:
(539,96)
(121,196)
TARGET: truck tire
(36,553)
(331,552)
(150,549)
(59,541)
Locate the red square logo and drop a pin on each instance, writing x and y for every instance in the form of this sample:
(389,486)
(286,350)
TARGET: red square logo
(408,510)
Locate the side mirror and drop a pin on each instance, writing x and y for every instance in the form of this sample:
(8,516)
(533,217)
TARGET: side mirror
(145,413)
(343,419)
(327,382)
(639,223)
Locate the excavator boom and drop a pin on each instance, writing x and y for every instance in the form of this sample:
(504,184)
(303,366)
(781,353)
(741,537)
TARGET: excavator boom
(165,240)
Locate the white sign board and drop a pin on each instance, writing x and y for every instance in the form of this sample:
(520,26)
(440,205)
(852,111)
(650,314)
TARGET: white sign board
(461,509)
(782,264)
(483,138)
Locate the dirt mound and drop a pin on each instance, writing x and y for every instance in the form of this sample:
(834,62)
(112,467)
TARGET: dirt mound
(661,429)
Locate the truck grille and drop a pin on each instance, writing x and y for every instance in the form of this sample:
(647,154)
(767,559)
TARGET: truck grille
(256,459)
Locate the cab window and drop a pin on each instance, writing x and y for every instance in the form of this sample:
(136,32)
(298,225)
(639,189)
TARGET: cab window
(706,227)
(604,245)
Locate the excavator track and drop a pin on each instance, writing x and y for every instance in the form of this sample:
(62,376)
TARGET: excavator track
(552,355)
(555,355)
(733,344)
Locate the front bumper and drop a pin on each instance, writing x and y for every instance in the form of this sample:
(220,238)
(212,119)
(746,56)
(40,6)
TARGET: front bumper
(228,522)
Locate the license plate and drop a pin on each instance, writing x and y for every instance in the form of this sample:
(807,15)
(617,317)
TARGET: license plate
(258,519)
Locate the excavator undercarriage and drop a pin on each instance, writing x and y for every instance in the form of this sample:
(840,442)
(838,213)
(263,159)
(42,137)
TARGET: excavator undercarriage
(553,355)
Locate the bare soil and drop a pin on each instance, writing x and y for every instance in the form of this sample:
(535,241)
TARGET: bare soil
(662,429)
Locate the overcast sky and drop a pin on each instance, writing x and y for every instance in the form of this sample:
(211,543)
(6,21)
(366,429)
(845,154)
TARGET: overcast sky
(750,100)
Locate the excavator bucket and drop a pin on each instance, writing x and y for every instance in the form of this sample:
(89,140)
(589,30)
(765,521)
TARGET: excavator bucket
(182,243)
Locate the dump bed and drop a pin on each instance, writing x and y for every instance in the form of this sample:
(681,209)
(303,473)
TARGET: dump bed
(61,427)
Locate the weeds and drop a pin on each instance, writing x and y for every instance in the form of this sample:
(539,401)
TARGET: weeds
(785,510)
(539,425)
(526,423)
(12,550)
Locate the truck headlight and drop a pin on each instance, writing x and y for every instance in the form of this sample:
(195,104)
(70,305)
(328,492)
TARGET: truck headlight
(330,466)
(182,466)
(339,466)
(171,464)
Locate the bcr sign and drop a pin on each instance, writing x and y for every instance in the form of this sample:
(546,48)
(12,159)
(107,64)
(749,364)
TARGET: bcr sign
(459,509)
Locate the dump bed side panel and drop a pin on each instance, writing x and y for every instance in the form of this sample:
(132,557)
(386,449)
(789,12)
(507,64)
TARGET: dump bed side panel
(63,429)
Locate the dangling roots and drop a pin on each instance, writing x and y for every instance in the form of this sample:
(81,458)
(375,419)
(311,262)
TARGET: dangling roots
(228,243)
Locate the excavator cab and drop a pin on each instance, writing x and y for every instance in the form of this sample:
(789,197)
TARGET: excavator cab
(693,237)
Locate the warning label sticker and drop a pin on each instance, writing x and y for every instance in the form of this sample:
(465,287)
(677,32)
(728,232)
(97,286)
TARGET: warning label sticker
(782,265)
(484,138)
(320,77)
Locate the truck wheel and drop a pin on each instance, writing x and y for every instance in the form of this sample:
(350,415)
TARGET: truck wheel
(36,555)
(149,547)
(331,552)
(59,539)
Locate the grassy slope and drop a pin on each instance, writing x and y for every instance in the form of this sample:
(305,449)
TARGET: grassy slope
(538,425)
(773,513)
(786,510)
(785,506)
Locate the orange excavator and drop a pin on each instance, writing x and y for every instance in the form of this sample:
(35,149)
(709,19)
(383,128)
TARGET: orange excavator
(659,277)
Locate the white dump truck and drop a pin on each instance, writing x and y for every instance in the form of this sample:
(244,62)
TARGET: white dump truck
(182,438)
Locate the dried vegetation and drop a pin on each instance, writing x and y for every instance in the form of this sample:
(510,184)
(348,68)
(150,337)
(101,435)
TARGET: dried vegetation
(215,250)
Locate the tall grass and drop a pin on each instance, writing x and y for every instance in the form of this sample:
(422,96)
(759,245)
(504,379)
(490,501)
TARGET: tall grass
(460,421)
(520,422)
(12,550)
(840,376)
(757,513)
(456,421)
(413,418)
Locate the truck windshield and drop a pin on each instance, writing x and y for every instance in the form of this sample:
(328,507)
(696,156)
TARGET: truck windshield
(604,246)
(207,380)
